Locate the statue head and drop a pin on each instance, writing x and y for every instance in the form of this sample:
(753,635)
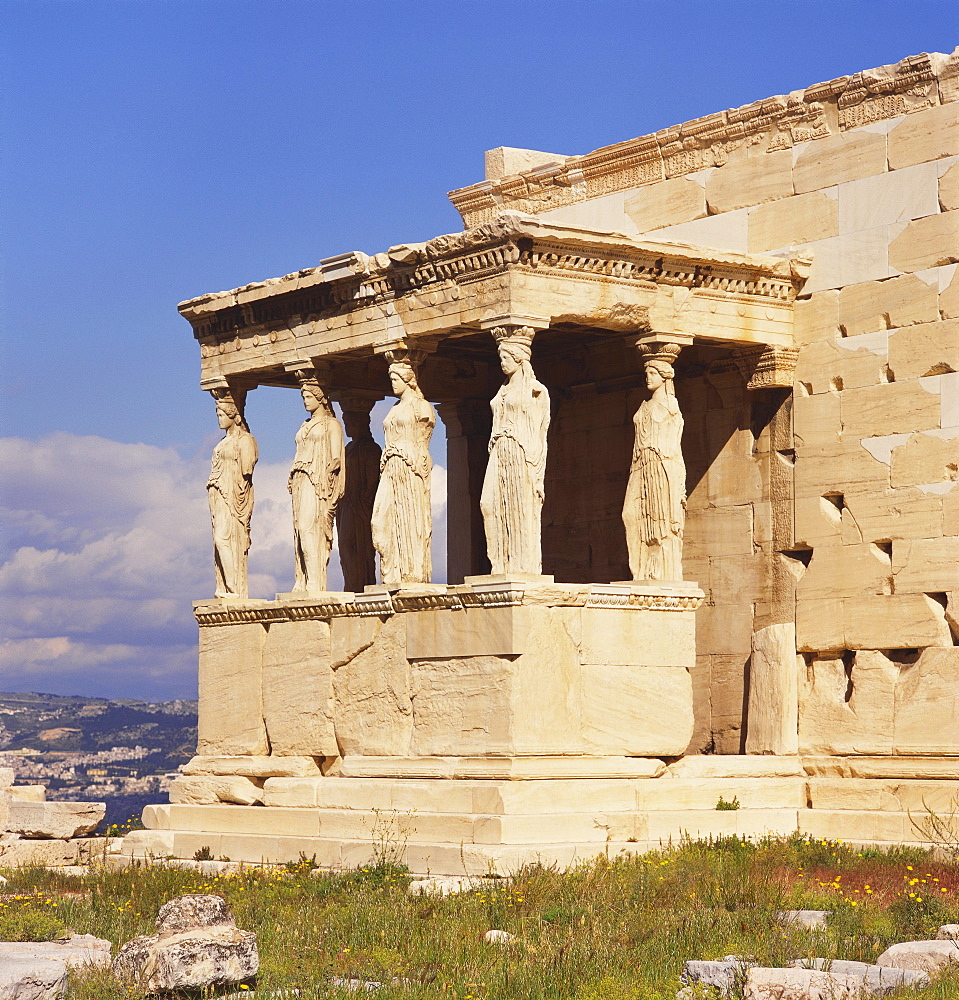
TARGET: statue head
(659,372)
(229,408)
(314,398)
(403,377)
(515,346)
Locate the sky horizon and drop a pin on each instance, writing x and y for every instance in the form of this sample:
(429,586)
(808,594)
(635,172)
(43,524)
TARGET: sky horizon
(162,149)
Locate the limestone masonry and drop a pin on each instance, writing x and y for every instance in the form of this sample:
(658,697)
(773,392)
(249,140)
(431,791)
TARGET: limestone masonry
(700,398)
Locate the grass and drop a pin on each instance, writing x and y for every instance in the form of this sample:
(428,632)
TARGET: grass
(613,929)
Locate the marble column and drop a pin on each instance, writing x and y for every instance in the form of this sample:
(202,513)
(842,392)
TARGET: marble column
(654,511)
(512,497)
(230,493)
(355,511)
(402,520)
(467,423)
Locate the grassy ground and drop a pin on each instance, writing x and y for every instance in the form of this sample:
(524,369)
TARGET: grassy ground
(616,929)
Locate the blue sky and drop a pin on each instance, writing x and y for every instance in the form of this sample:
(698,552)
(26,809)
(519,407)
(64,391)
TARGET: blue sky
(157,150)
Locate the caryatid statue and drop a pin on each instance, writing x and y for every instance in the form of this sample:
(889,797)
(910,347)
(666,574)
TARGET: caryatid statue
(230,493)
(654,512)
(355,510)
(316,485)
(512,498)
(402,521)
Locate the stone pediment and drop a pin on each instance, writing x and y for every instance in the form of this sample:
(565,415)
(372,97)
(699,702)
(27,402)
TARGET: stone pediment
(355,305)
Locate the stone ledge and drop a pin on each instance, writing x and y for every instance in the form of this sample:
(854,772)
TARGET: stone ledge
(480,594)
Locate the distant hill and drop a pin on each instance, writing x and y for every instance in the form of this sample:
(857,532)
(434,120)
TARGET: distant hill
(121,752)
(49,723)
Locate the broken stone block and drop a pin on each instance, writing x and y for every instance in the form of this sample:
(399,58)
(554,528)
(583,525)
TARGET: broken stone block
(32,979)
(924,349)
(773,713)
(231,685)
(928,242)
(803,984)
(197,945)
(924,459)
(28,793)
(210,789)
(750,182)
(839,158)
(77,952)
(887,305)
(949,189)
(925,135)
(793,221)
(923,956)
(878,980)
(666,204)
(948,932)
(55,820)
(926,713)
(725,974)
(299,717)
(813,920)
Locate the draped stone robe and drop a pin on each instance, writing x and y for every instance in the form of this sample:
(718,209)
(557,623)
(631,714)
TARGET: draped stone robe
(512,497)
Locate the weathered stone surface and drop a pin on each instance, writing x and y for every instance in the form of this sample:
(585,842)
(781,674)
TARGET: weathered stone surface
(801,984)
(929,242)
(878,980)
(793,221)
(195,910)
(925,349)
(231,690)
(889,198)
(197,944)
(498,937)
(299,717)
(210,789)
(847,706)
(923,956)
(925,135)
(189,959)
(810,919)
(506,160)
(55,820)
(772,721)
(77,952)
(724,974)
(924,459)
(926,565)
(254,767)
(28,793)
(816,317)
(665,204)
(750,182)
(949,298)
(886,305)
(839,158)
(372,686)
(927,703)
(948,932)
(949,189)
(736,766)
(901,407)
(32,979)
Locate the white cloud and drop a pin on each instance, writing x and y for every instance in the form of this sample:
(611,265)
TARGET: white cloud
(106,546)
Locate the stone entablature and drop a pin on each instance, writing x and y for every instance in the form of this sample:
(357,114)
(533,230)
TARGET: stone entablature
(381,602)
(514,265)
(767,126)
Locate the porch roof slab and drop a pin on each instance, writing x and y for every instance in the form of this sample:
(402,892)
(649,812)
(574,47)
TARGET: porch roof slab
(514,266)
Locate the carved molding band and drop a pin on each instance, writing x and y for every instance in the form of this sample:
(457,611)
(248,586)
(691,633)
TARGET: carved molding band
(766,126)
(455,599)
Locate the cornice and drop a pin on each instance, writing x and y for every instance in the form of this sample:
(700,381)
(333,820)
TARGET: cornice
(766,126)
(354,283)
